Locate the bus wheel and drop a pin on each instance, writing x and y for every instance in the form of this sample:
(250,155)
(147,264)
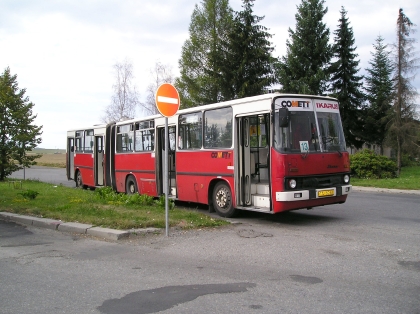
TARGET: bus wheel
(222,200)
(79,182)
(131,186)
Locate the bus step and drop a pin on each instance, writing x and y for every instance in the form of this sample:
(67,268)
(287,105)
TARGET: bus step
(261,200)
(260,188)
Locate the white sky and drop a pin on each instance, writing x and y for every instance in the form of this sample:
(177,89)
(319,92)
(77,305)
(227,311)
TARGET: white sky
(63,50)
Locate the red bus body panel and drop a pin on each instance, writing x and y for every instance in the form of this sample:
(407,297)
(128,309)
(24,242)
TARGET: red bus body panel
(84,163)
(197,170)
(301,165)
(141,166)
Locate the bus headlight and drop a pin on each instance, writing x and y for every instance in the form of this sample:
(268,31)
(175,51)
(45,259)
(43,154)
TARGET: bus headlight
(292,183)
(346,178)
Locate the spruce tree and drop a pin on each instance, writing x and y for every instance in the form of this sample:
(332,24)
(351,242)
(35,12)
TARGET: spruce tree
(248,66)
(18,133)
(404,130)
(304,68)
(346,85)
(199,82)
(379,92)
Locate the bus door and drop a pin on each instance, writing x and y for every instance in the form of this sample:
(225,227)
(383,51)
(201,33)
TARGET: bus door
(99,160)
(160,161)
(70,158)
(244,162)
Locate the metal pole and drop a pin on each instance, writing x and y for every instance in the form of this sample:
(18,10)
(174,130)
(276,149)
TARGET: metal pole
(166,175)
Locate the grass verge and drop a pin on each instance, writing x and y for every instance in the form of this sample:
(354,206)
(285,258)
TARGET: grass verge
(409,179)
(85,206)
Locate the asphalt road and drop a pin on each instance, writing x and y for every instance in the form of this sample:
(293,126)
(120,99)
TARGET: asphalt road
(359,257)
(44,174)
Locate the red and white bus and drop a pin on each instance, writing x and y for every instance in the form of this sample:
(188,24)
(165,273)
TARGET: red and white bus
(268,153)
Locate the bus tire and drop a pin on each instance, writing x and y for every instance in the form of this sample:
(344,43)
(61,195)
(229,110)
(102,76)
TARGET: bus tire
(222,200)
(79,181)
(131,185)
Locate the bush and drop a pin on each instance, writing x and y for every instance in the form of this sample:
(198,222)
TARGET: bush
(111,197)
(367,165)
(29,194)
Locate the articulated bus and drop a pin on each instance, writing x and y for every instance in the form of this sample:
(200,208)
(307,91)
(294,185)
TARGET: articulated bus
(268,153)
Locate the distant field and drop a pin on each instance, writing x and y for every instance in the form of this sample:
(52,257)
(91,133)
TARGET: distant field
(52,160)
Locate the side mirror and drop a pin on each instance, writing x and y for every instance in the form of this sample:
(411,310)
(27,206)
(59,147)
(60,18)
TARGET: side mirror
(284,117)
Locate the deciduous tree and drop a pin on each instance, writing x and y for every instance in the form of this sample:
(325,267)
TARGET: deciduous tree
(125,98)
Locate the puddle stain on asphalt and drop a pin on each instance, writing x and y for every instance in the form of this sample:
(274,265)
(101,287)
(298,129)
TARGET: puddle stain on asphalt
(160,299)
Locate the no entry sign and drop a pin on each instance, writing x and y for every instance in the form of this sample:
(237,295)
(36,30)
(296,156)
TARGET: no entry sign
(167,100)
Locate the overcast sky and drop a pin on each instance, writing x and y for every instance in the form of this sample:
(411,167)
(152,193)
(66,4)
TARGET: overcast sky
(63,51)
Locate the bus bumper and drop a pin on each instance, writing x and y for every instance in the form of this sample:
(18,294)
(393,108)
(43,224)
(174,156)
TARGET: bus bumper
(303,195)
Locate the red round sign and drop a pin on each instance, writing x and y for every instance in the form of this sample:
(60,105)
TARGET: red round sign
(167,100)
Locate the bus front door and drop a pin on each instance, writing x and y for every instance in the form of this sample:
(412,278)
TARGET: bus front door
(70,158)
(244,155)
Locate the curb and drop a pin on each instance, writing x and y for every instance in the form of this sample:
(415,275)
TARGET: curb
(74,227)
(382,190)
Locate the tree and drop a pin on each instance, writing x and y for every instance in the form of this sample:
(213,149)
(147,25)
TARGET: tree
(161,73)
(125,98)
(304,69)
(403,126)
(199,81)
(248,66)
(346,85)
(18,133)
(379,93)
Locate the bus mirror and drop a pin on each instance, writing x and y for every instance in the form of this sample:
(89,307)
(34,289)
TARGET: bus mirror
(284,117)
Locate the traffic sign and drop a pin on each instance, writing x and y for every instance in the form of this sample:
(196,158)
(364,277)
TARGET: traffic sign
(167,100)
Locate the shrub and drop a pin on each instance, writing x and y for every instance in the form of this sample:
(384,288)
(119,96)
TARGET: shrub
(29,194)
(110,196)
(368,165)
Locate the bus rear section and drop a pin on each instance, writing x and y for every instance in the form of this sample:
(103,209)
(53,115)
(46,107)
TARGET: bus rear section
(85,157)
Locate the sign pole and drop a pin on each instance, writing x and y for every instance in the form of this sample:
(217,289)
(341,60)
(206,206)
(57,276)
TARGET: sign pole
(166,175)
(167,102)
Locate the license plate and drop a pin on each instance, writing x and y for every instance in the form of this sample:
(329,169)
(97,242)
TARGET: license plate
(325,193)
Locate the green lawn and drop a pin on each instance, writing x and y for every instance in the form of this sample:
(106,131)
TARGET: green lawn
(86,206)
(408,180)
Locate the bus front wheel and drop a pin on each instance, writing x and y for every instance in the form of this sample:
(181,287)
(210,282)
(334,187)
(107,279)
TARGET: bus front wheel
(79,181)
(131,186)
(222,200)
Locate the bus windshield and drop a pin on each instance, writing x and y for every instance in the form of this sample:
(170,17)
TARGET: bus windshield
(309,132)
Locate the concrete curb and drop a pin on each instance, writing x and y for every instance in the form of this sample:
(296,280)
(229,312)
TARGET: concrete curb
(104,233)
(381,190)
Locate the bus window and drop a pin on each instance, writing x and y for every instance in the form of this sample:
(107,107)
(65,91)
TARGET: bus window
(144,136)
(125,136)
(88,141)
(79,141)
(190,130)
(218,128)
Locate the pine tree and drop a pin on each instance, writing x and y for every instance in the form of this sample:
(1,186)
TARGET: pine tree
(379,92)
(304,68)
(199,82)
(18,134)
(346,85)
(248,67)
(404,129)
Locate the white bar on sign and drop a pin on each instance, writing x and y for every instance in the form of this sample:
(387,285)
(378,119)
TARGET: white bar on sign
(168,100)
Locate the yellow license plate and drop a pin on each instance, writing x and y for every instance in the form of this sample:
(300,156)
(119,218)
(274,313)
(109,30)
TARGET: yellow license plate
(325,193)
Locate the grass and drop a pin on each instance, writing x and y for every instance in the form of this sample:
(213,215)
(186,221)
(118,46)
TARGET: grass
(409,179)
(86,206)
